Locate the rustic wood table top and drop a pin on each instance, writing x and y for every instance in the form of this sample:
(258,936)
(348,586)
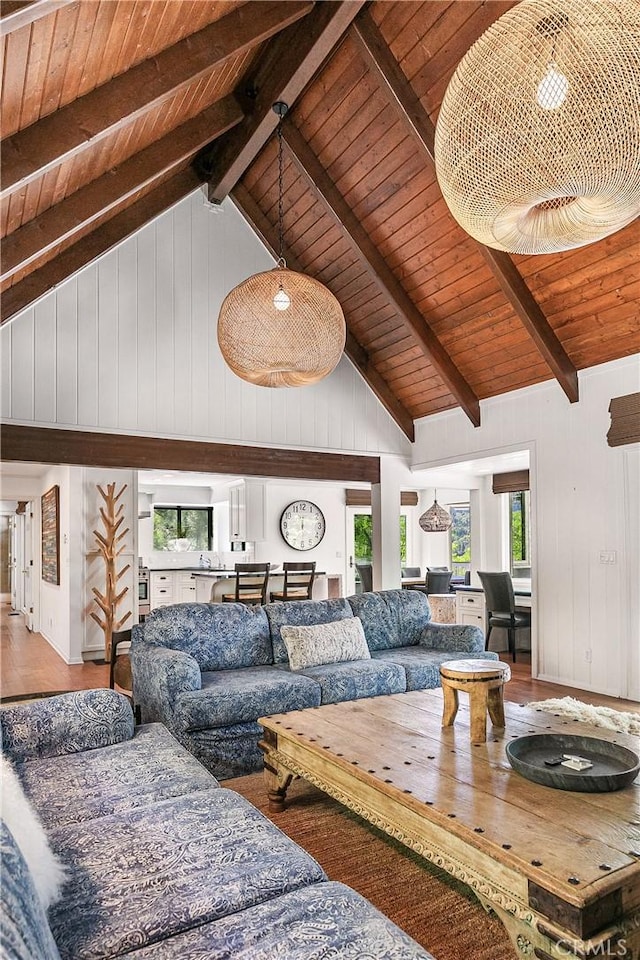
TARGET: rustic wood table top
(561,869)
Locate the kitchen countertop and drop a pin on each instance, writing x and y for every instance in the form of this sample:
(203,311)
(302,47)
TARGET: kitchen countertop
(518,591)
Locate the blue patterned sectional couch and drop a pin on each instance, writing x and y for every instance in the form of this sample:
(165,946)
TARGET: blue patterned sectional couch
(209,671)
(161,862)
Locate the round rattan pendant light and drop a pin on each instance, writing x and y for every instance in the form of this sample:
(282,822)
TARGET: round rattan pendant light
(436,519)
(537,143)
(281,328)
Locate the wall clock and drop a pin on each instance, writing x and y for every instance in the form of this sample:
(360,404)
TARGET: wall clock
(302,525)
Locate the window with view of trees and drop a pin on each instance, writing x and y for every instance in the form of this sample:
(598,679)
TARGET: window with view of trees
(362,547)
(460,538)
(183,528)
(519,534)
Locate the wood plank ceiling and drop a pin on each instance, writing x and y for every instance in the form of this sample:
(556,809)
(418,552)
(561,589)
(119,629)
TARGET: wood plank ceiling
(112,110)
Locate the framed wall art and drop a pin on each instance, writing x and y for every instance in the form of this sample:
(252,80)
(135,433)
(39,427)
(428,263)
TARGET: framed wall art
(50,508)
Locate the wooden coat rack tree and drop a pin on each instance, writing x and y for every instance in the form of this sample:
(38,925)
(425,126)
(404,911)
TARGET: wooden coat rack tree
(112,515)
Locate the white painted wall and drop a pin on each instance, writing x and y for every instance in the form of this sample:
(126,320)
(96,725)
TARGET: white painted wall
(583,497)
(129,345)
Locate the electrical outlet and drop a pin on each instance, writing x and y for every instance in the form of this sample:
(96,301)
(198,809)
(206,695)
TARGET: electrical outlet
(339,554)
(587,656)
(608,556)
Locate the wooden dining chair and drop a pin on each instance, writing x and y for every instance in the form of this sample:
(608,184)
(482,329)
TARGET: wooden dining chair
(251,584)
(298,581)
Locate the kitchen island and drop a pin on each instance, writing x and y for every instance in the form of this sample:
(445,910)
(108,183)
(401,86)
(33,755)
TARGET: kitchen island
(204,585)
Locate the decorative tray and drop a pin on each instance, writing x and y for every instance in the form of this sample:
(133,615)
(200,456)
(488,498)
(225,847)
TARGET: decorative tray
(555,760)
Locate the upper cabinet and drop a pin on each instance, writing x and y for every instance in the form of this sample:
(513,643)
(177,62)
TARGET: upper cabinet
(247,505)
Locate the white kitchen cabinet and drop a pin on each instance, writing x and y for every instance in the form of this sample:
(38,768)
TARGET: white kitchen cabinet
(247,507)
(162,589)
(470,608)
(185,588)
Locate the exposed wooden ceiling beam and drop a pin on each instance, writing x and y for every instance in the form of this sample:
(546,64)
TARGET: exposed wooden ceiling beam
(354,350)
(352,229)
(106,194)
(84,448)
(29,153)
(533,320)
(20,13)
(285,70)
(397,88)
(22,294)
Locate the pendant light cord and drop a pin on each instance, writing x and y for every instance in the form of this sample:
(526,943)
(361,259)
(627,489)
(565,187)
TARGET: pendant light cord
(281,260)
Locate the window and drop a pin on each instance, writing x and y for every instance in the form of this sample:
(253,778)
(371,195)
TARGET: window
(183,528)
(519,540)
(460,538)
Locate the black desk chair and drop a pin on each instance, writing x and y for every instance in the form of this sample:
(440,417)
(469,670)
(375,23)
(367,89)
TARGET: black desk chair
(501,607)
(365,572)
(435,581)
(298,581)
(251,584)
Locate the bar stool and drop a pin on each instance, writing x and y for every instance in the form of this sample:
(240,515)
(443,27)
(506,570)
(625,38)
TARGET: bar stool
(484,681)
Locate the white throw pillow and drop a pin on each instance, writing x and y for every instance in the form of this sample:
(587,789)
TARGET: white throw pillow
(336,642)
(47,872)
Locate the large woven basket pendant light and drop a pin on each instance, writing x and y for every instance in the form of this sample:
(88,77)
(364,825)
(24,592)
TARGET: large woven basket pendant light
(436,519)
(537,143)
(281,328)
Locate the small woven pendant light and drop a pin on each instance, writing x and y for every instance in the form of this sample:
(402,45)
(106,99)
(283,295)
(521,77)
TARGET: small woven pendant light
(281,328)
(538,138)
(436,519)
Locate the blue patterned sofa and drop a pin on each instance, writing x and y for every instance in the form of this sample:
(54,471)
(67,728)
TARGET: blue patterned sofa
(161,861)
(209,671)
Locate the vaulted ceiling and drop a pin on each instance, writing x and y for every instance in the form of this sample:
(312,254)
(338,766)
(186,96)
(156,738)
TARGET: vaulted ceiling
(113,110)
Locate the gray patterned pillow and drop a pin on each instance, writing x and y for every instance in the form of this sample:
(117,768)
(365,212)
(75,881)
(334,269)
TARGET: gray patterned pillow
(320,643)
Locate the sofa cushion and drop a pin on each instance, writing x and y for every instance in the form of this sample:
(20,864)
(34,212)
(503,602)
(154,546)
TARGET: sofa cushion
(391,618)
(422,666)
(22,820)
(68,723)
(151,766)
(24,930)
(326,920)
(238,696)
(141,876)
(301,613)
(336,642)
(219,636)
(357,679)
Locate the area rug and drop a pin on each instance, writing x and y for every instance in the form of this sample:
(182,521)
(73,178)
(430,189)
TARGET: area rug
(598,716)
(442,915)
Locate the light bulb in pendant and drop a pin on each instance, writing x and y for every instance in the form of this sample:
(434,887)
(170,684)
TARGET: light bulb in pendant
(552,89)
(282,300)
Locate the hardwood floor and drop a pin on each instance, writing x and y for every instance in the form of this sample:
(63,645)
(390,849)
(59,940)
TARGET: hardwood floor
(30,665)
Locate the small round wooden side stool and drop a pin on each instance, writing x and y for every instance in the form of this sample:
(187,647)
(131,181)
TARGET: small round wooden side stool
(484,681)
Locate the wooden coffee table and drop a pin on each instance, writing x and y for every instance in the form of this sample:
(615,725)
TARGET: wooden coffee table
(560,869)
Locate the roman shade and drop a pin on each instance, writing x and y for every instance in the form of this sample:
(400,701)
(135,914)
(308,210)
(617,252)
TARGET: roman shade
(510,482)
(625,420)
(362,498)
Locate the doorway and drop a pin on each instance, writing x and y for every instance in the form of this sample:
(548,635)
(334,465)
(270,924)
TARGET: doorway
(359,545)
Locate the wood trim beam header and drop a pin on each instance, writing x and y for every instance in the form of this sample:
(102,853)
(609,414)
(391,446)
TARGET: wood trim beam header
(85,449)
(380,60)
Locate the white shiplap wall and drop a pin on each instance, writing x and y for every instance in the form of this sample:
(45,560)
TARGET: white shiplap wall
(129,345)
(585,497)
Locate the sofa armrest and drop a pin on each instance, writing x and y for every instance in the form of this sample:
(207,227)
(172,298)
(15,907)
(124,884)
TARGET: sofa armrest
(159,675)
(452,636)
(67,723)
